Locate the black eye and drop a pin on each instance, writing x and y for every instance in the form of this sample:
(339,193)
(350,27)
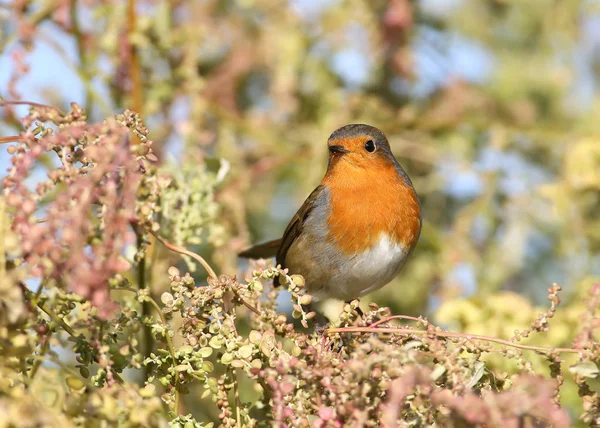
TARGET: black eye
(370,146)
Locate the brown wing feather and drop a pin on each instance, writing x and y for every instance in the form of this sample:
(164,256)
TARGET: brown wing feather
(295,227)
(262,251)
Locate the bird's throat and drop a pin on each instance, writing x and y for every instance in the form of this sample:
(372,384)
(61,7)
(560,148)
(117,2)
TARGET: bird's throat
(367,203)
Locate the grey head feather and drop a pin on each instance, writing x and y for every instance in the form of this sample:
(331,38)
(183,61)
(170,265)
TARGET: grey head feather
(381,142)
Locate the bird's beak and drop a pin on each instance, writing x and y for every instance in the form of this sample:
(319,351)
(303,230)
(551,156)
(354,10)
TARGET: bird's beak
(338,149)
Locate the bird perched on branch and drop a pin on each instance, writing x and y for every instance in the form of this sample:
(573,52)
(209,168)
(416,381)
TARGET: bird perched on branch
(357,228)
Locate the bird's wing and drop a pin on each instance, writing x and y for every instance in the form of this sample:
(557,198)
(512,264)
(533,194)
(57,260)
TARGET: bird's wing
(294,229)
(280,247)
(262,251)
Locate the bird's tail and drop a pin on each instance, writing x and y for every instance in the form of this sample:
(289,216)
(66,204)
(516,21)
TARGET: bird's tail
(262,251)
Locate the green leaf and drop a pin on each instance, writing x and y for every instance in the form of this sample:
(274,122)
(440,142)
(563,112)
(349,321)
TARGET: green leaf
(74,383)
(216,342)
(205,352)
(227,358)
(254,336)
(245,351)
(186,349)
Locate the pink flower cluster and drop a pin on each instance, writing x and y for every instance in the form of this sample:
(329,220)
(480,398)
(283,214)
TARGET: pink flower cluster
(75,226)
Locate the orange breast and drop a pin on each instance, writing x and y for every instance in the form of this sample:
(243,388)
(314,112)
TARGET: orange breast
(366,202)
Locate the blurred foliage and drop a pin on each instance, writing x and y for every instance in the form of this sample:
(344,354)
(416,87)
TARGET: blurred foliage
(489,105)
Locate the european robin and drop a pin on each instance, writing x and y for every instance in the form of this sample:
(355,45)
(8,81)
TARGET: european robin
(357,228)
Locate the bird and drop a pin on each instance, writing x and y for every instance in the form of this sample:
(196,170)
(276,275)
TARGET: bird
(356,230)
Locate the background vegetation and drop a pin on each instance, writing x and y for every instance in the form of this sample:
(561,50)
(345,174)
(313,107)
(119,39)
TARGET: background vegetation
(147,142)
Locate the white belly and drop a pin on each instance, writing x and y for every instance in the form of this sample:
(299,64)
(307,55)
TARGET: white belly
(331,273)
(368,271)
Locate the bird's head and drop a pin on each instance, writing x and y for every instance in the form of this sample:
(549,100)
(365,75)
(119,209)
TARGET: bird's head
(360,146)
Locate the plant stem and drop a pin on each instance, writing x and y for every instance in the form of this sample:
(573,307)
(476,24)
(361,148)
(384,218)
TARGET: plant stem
(238,404)
(445,334)
(246,304)
(170,346)
(205,265)
(38,362)
(71,333)
(163,320)
(65,367)
(171,351)
(198,258)
(82,58)
(66,327)
(212,274)
(11,139)
(395,317)
(135,71)
(29,103)
(146,306)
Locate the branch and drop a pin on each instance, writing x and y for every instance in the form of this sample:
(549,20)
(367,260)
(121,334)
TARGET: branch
(12,139)
(204,263)
(447,334)
(246,304)
(82,57)
(146,306)
(43,350)
(71,333)
(189,253)
(238,403)
(4,103)
(135,67)
(396,317)
(163,320)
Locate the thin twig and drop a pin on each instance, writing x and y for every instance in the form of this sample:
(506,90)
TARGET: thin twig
(66,327)
(146,306)
(189,253)
(236,388)
(163,320)
(212,274)
(469,337)
(82,57)
(69,62)
(33,21)
(171,350)
(394,317)
(135,66)
(204,264)
(246,304)
(12,139)
(43,350)
(29,103)
(71,333)
(238,403)
(65,367)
